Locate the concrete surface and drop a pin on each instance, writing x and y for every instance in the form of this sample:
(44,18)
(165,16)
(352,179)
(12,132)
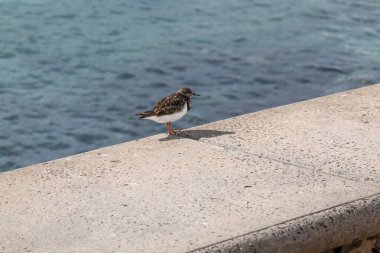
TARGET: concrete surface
(315,232)
(298,178)
(338,134)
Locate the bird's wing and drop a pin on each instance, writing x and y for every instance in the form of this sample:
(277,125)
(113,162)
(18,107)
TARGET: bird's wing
(169,105)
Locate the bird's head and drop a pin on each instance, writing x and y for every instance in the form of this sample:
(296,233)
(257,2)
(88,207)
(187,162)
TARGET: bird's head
(187,92)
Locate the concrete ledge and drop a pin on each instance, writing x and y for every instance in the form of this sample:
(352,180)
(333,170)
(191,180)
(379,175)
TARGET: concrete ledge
(298,178)
(339,226)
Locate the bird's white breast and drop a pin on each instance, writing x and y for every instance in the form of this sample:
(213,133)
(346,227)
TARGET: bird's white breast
(169,118)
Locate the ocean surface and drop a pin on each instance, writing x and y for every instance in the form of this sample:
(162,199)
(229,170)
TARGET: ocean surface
(73,73)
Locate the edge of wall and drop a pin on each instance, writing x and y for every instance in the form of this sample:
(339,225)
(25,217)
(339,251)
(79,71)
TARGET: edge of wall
(312,233)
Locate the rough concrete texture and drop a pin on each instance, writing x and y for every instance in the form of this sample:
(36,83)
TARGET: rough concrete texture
(337,229)
(337,134)
(299,178)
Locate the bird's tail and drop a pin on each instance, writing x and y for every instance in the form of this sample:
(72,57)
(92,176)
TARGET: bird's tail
(145,114)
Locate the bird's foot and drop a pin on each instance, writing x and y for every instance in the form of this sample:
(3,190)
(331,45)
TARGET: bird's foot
(173,132)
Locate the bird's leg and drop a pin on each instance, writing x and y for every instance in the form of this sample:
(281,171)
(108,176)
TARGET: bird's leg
(171,131)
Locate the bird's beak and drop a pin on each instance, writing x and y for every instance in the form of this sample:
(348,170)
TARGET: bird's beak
(195,94)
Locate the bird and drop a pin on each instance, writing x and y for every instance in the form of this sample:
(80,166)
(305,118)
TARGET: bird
(170,109)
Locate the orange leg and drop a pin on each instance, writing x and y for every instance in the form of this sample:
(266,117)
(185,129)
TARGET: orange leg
(171,131)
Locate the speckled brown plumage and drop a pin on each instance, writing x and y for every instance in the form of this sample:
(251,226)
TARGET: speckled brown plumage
(169,105)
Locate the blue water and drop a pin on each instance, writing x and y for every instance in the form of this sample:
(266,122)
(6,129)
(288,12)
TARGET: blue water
(73,73)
